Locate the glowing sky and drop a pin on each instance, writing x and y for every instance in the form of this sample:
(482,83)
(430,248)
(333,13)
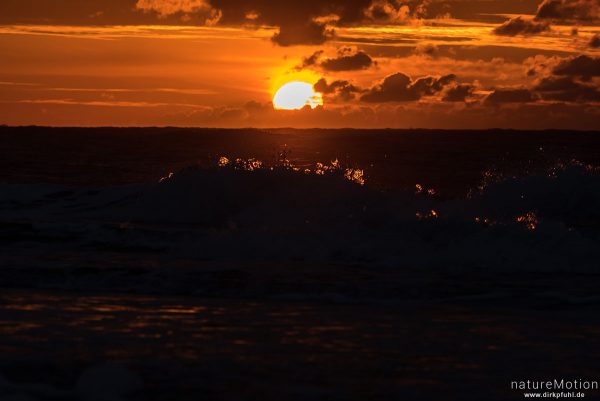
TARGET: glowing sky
(377,63)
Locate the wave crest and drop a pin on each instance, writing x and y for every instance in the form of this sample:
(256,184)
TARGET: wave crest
(245,211)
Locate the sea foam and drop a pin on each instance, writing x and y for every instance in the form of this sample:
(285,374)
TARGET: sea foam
(244,211)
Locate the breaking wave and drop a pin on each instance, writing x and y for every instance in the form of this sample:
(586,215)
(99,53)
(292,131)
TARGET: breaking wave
(243,211)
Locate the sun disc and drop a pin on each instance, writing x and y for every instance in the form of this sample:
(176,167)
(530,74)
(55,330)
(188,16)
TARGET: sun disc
(296,95)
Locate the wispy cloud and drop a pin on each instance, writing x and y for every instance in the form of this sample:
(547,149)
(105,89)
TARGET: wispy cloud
(137,31)
(107,103)
(185,91)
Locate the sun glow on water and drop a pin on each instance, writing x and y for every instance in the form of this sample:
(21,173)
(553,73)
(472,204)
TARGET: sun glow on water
(296,95)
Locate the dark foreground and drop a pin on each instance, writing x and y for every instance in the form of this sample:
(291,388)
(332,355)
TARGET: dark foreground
(185,348)
(452,162)
(290,280)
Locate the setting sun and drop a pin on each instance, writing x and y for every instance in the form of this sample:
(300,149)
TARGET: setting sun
(296,95)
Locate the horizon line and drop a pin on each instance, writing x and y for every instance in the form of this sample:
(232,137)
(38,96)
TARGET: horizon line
(92,127)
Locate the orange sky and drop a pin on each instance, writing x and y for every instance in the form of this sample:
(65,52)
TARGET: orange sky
(432,64)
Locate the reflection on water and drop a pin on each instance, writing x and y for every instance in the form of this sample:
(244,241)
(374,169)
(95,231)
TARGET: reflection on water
(229,347)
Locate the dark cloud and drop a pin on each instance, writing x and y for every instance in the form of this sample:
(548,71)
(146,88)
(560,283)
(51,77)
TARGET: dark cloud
(393,88)
(238,11)
(290,13)
(299,22)
(429,86)
(400,87)
(520,95)
(520,26)
(567,90)
(311,60)
(404,11)
(308,33)
(458,93)
(566,79)
(185,9)
(582,66)
(348,60)
(569,10)
(388,11)
(337,90)
(552,10)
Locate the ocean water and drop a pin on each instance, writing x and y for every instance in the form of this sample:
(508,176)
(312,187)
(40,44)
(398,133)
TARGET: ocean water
(490,210)
(451,162)
(290,264)
(81,346)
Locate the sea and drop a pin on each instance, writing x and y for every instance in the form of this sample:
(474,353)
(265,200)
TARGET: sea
(185,263)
